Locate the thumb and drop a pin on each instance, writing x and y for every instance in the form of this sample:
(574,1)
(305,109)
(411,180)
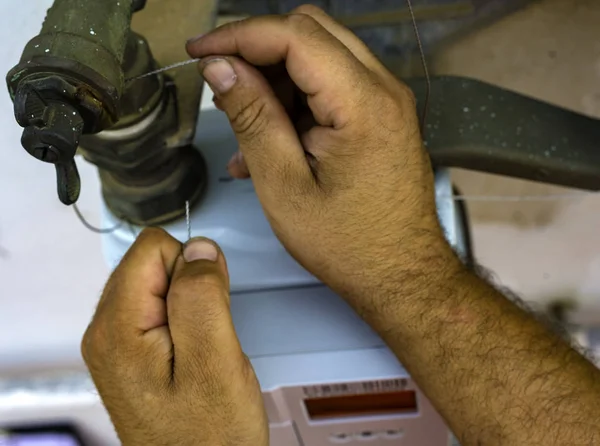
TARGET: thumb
(199,318)
(265,133)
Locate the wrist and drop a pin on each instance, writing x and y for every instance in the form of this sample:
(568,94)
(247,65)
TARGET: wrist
(411,284)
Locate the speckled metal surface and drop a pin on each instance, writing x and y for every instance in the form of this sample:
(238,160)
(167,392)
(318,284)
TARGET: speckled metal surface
(478,126)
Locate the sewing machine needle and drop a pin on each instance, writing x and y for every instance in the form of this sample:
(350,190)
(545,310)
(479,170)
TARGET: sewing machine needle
(187,219)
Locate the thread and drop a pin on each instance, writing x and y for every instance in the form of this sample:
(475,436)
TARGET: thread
(162,70)
(93,228)
(188,223)
(423,62)
(132,230)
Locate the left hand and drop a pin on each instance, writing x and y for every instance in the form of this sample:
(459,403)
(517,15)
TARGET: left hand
(163,352)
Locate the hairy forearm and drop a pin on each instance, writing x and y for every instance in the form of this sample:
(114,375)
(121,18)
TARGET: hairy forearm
(496,374)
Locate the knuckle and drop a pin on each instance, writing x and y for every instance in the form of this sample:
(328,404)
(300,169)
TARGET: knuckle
(303,23)
(250,120)
(388,104)
(93,344)
(407,95)
(393,108)
(86,345)
(152,233)
(309,9)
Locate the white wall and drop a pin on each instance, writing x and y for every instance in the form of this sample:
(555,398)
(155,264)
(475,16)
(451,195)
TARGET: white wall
(52,271)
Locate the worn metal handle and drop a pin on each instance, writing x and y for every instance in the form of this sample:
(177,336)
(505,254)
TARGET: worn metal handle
(478,126)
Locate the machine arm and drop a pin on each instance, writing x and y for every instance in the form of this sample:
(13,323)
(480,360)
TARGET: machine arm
(478,126)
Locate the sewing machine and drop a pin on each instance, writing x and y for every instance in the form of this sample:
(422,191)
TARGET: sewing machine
(326,377)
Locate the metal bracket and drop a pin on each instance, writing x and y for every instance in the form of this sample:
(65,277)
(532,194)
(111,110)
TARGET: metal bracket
(482,127)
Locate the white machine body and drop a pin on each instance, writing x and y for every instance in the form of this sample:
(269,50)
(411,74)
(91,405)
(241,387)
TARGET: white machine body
(327,378)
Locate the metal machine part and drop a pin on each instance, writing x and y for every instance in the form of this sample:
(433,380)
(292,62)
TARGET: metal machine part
(69,82)
(478,126)
(146,175)
(69,92)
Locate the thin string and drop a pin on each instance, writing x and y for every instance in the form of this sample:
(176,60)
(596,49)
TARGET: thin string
(96,230)
(132,230)
(478,198)
(483,198)
(162,70)
(188,223)
(92,227)
(423,62)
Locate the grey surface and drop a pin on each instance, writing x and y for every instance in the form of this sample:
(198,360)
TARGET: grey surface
(474,125)
(594,338)
(394,44)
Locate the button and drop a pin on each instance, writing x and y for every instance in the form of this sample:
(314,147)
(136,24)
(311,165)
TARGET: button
(393,434)
(366,436)
(340,438)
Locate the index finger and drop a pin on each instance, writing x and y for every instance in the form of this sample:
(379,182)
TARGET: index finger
(317,62)
(135,293)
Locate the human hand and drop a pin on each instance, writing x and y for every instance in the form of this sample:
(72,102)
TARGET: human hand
(332,143)
(163,352)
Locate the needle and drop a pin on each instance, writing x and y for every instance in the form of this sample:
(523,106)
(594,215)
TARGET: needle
(187,220)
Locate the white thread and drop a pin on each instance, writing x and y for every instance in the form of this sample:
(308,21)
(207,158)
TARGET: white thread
(162,70)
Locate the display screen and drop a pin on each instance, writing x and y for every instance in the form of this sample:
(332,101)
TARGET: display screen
(391,403)
(39,437)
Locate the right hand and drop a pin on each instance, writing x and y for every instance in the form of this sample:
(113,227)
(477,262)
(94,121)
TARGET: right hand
(331,140)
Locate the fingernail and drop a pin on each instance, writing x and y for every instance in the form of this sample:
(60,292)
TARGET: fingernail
(220,75)
(195,39)
(200,249)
